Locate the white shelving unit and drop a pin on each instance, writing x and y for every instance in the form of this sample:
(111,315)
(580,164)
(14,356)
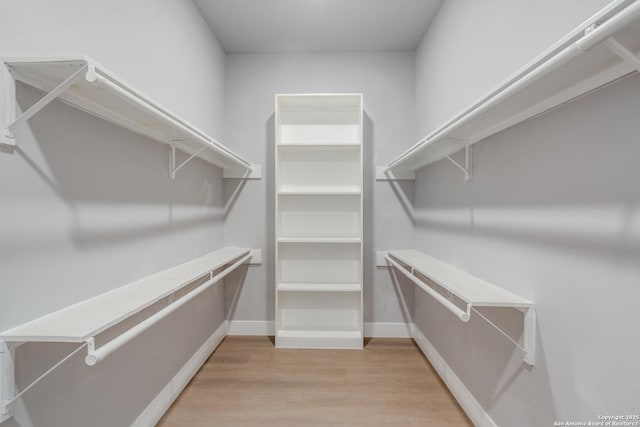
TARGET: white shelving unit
(469,290)
(101,318)
(84,84)
(602,50)
(319,221)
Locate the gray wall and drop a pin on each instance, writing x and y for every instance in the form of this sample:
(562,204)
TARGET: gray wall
(386,80)
(87,206)
(552,214)
(471,47)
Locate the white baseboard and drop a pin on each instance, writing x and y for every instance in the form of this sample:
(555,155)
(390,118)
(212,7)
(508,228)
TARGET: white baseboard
(159,405)
(471,406)
(387,330)
(156,409)
(251,327)
(371,329)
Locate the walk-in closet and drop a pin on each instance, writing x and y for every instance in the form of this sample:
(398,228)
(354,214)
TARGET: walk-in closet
(319,213)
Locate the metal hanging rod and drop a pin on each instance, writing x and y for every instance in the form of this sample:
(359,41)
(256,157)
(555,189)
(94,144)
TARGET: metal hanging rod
(94,355)
(95,90)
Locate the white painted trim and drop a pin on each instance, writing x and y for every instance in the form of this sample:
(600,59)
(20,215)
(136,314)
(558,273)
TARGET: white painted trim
(479,417)
(371,329)
(388,330)
(251,327)
(161,403)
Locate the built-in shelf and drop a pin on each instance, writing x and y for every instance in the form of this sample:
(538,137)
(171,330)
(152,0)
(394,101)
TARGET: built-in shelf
(84,84)
(319,220)
(470,290)
(89,318)
(320,147)
(320,190)
(319,287)
(319,240)
(319,339)
(115,317)
(600,51)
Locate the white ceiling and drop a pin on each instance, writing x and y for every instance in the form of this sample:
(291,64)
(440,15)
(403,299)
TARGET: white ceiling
(318,25)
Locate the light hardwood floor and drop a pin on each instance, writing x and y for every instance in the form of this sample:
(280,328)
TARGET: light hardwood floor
(247,382)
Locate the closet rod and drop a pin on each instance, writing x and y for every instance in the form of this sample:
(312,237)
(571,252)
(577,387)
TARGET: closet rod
(594,35)
(96,355)
(463,315)
(96,79)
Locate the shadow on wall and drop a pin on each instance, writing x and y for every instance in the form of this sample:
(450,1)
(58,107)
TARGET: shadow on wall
(92,165)
(551,214)
(116,390)
(405,292)
(233,285)
(270,231)
(488,364)
(404,192)
(563,180)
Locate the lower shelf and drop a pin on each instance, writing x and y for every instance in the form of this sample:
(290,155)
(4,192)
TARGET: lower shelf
(319,339)
(319,287)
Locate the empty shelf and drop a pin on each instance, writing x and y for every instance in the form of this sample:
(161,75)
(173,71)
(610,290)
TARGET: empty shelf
(347,146)
(587,58)
(334,190)
(84,84)
(468,288)
(319,240)
(88,318)
(319,287)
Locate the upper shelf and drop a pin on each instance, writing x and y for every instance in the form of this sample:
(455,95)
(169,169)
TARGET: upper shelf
(596,53)
(84,84)
(88,318)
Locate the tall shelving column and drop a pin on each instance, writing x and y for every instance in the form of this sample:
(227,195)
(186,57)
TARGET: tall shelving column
(319,221)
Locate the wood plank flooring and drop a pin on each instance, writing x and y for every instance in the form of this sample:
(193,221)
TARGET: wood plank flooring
(247,382)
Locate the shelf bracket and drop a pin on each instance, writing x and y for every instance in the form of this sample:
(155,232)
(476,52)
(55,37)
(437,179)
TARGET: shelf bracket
(627,56)
(12,122)
(384,174)
(9,396)
(7,379)
(468,161)
(530,336)
(173,169)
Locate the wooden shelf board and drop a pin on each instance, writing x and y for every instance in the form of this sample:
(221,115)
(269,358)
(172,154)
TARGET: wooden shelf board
(87,318)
